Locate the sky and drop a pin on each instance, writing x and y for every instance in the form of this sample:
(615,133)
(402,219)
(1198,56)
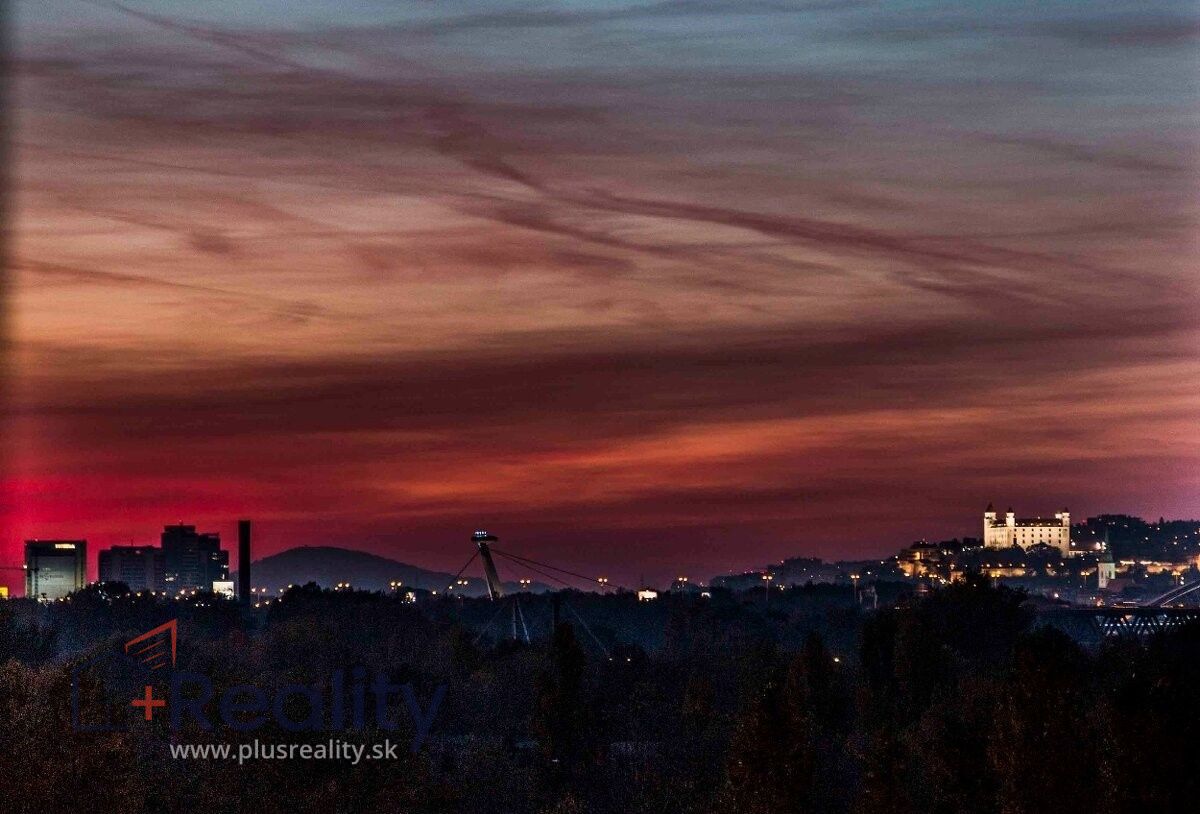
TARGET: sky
(643,288)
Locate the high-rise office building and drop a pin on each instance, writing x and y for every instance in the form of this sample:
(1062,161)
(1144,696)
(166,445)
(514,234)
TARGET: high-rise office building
(193,560)
(141,567)
(54,568)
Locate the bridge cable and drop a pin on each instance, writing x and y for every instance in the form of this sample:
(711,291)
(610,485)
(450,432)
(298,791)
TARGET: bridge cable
(521,617)
(537,571)
(488,625)
(454,578)
(1173,595)
(569,606)
(592,580)
(596,639)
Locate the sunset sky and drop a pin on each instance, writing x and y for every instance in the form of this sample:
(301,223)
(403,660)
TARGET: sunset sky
(644,288)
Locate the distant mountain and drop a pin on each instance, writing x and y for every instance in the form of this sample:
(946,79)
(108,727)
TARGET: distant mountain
(328,565)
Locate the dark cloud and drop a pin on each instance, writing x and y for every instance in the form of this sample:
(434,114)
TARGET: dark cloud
(1088,155)
(1131,30)
(562,17)
(558,388)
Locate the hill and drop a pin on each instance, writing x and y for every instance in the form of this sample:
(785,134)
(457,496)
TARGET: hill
(329,565)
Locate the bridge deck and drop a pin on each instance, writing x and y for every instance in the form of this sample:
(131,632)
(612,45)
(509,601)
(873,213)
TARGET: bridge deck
(1140,621)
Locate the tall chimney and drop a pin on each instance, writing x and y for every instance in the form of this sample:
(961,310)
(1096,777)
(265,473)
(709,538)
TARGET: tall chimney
(244,561)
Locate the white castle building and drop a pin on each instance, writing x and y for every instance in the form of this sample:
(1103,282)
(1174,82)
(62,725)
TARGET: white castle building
(1027,531)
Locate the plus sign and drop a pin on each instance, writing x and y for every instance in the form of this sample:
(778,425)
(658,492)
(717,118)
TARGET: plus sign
(148,703)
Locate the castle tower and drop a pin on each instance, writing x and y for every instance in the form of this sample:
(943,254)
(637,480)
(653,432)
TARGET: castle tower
(994,536)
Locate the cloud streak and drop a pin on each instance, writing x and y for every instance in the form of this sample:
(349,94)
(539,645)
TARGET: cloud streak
(682,279)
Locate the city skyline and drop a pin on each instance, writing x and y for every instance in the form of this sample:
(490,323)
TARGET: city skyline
(1057,532)
(620,282)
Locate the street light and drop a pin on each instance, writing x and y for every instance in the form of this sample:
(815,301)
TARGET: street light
(767,579)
